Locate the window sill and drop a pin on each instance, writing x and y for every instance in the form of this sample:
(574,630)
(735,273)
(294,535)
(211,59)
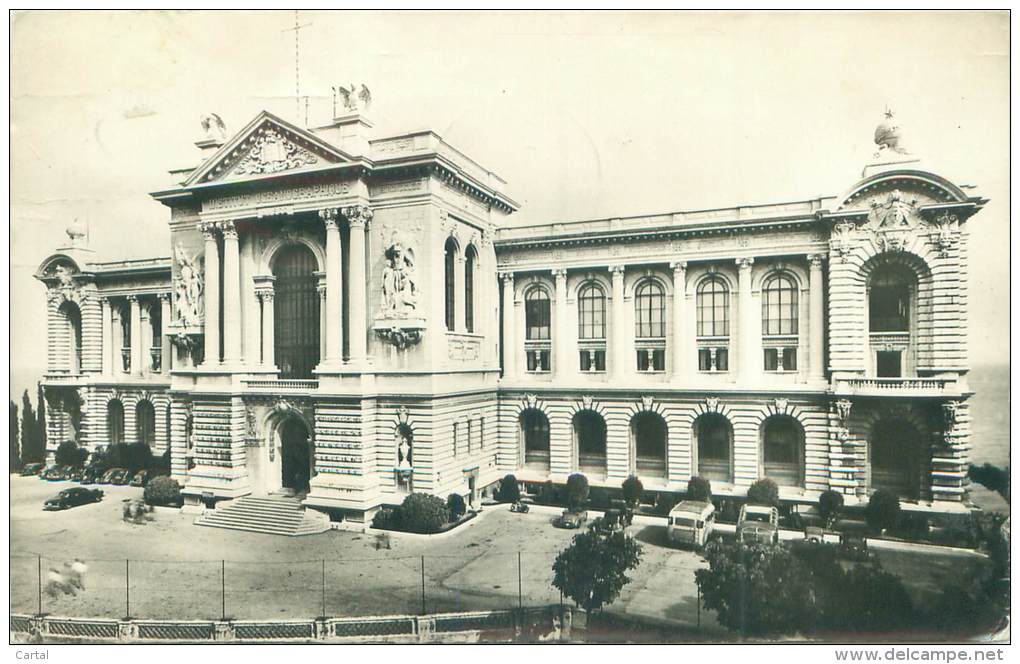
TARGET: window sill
(713,373)
(784,372)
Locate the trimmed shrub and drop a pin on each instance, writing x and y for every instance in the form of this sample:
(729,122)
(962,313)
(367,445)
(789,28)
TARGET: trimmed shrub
(455,504)
(423,513)
(664,503)
(99,460)
(577,490)
(698,488)
(883,510)
(162,491)
(508,491)
(385,518)
(69,454)
(632,490)
(829,505)
(599,498)
(763,492)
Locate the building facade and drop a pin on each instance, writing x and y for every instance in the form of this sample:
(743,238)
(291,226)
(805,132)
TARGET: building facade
(351,318)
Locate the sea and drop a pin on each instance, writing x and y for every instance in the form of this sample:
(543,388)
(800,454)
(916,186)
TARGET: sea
(989,412)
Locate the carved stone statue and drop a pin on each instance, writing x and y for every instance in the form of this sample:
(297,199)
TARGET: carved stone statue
(188,288)
(351,98)
(214,128)
(399,283)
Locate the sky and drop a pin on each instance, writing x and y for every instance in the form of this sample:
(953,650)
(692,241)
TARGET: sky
(584,114)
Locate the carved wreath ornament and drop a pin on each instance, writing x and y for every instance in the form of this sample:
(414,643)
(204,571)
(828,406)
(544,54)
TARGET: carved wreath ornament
(272,153)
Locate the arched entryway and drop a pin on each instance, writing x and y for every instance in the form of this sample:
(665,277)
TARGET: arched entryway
(145,422)
(896,457)
(714,436)
(114,422)
(296,312)
(535,438)
(782,450)
(648,444)
(295,455)
(590,442)
(283,461)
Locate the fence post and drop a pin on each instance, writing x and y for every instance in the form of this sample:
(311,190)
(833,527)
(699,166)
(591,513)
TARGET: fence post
(423,585)
(323,587)
(127,588)
(520,586)
(40,584)
(223,589)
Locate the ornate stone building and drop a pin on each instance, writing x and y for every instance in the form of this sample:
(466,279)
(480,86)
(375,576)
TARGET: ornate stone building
(350,318)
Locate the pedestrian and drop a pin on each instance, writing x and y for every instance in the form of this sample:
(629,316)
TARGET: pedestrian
(79,568)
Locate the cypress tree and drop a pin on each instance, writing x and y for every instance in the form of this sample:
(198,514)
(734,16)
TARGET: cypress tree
(15,450)
(29,453)
(40,430)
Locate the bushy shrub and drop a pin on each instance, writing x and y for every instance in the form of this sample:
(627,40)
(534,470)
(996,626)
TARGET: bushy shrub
(423,513)
(385,518)
(665,502)
(548,494)
(599,498)
(99,460)
(139,457)
(913,526)
(699,488)
(161,463)
(829,505)
(883,510)
(69,454)
(632,490)
(508,491)
(455,504)
(763,492)
(991,477)
(577,490)
(117,455)
(162,491)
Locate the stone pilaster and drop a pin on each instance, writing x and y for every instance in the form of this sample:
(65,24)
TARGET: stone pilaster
(749,360)
(618,350)
(509,326)
(166,347)
(358,217)
(679,348)
(563,360)
(816,318)
(231,294)
(334,286)
(212,295)
(107,314)
(136,335)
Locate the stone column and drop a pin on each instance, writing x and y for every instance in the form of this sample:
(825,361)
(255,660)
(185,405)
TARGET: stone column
(816,318)
(618,351)
(231,294)
(136,335)
(212,295)
(268,328)
(358,217)
(563,362)
(334,316)
(680,358)
(749,360)
(145,330)
(165,346)
(321,290)
(107,315)
(459,305)
(509,326)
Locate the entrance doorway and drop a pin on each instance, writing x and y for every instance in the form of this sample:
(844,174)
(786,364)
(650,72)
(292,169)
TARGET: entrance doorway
(295,455)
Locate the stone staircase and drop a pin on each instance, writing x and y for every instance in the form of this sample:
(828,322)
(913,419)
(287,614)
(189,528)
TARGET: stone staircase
(272,515)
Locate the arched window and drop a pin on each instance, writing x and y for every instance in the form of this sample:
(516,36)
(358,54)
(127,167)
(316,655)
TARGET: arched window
(591,327)
(648,431)
(470,261)
(890,298)
(650,322)
(296,313)
(590,437)
(715,446)
(115,422)
(896,457)
(535,432)
(712,301)
(783,450)
(779,322)
(145,422)
(71,315)
(125,337)
(450,277)
(537,329)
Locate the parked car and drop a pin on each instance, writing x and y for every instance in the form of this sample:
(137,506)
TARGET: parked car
(73,474)
(54,474)
(72,498)
(142,478)
(855,548)
(122,477)
(572,518)
(107,477)
(30,469)
(613,518)
(758,523)
(814,535)
(690,523)
(92,475)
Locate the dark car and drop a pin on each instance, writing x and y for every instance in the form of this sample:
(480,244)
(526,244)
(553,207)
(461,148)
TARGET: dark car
(72,498)
(30,469)
(107,477)
(853,547)
(572,518)
(122,477)
(73,474)
(92,475)
(141,478)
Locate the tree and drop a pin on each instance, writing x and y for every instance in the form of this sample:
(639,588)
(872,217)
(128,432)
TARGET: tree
(883,510)
(698,488)
(593,569)
(40,416)
(763,492)
(508,491)
(31,452)
(423,513)
(69,454)
(139,457)
(632,490)
(577,490)
(15,449)
(829,505)
(991,477)
(455,504)
(871,601)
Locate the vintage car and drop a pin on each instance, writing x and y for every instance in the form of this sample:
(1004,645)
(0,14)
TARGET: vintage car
(572,518)
(108,476)
(141,478)
(122,477)
(30,469)
(758,523)
(73,474)
(54,473)
(690,523)
(855,548)
(72,498)
(92,475)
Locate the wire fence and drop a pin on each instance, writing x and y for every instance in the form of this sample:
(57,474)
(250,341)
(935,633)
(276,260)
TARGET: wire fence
(256,590)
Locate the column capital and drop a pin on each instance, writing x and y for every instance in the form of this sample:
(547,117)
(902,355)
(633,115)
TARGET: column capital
(229,229)
(617,271)
(358,215)
(745,263)
(208,229)
(816,261)
(560,273)
(265,294)
(330,217)
(133,299)
(164,296)
(506,277)
(678,266)
(103,299)
(321,290)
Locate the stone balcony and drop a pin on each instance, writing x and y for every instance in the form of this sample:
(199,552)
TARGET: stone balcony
(280,385)
(893,387)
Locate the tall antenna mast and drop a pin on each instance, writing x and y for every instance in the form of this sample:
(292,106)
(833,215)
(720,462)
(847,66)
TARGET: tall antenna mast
(297,63)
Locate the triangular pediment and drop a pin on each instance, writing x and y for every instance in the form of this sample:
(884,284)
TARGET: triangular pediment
(267,146)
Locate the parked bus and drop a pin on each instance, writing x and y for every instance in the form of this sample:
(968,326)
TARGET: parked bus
(690,523)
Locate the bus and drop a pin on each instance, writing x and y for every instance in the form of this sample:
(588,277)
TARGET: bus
(690,523)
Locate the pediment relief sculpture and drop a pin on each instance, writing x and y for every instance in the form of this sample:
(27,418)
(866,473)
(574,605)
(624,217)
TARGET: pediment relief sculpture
(272,152)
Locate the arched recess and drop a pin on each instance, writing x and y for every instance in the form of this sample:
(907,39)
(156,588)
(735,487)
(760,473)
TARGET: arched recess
(781,450)
(296,311)
(114,422)
(589,430)
(451,254)
(896,456)
(534,436)
(648,444)
(713,442)
(145,422)
(403,437)
(71,335)
(470,302)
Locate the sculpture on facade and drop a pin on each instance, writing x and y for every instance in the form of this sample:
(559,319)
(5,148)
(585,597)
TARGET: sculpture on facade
(351,97)
(214,128)
(272,152)
(399,283)
(188,287)
(888,136)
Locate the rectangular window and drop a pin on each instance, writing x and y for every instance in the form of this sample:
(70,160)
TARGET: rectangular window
(704,359)
(722,359)
(889,364)
(789,359)
(771,359)
(593,360)
(780,359)
(538,360)
(713,359)
(651,359)
(537,314)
